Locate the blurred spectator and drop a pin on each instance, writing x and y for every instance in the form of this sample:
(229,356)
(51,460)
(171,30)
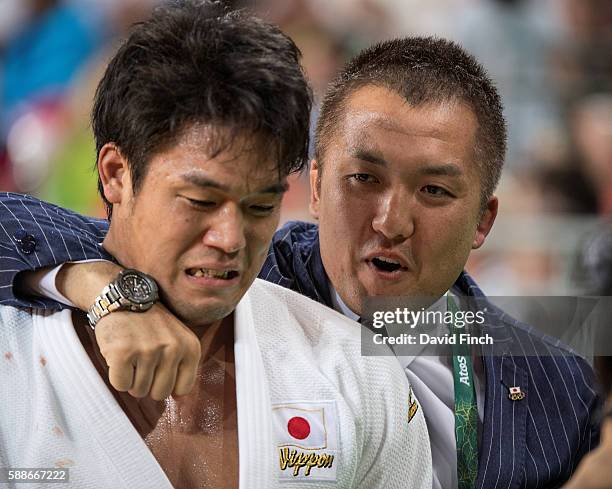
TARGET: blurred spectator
(39,61)
(591,123)
(545,56)
(45,54)
(594,273)
(583,57)
(50,65)
(593,269)
(514,40)
(567,189)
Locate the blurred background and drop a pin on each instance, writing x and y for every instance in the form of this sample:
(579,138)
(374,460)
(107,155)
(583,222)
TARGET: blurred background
(551,59)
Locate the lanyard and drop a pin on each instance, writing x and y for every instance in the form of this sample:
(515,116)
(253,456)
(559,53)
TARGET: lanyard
(466,409)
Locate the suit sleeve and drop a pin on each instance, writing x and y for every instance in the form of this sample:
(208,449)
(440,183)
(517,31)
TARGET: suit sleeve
(35,234)
(591,438)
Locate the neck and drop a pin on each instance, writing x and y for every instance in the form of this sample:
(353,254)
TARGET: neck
(117,246)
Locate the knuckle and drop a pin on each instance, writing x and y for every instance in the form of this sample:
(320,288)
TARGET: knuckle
(117,356)
(172,350)
(159,395)
(148,351)
(120,384)
(193,341)
(139,393)
(195,350)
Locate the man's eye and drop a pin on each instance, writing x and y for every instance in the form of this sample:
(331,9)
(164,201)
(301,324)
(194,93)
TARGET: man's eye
(436,191)
(202,204)
(363,177)
(262,210)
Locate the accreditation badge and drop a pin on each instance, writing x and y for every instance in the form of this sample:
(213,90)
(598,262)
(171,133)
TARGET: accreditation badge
(307,440)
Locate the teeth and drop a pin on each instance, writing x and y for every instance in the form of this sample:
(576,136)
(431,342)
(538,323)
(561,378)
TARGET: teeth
(388,260)
(204,272)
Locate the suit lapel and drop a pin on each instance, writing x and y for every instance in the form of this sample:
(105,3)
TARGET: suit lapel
(503,445)
(504,438)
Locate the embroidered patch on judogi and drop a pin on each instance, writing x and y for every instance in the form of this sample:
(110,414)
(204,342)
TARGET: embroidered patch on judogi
(413,406)
(307,440)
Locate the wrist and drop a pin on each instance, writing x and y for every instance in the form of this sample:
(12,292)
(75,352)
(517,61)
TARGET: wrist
(130,290)
(81,283)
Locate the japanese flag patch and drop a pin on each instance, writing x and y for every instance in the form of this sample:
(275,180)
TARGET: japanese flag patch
(307,440)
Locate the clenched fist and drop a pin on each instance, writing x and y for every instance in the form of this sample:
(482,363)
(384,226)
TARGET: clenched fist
(149,354)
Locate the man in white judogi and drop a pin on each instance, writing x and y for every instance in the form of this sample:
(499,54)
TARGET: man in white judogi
(310,409)
(188,118)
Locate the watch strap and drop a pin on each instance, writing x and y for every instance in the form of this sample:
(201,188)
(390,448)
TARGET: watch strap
(108,301)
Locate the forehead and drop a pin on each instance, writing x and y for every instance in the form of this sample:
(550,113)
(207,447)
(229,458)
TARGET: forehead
(237,161)
(381,119)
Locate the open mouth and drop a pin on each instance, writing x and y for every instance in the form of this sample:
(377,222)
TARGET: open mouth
(208,273)
(386,264)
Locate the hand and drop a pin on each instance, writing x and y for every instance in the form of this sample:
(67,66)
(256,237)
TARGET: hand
(150,353)
(595,471)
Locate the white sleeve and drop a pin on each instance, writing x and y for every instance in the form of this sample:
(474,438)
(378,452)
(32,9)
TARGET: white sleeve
(47,287)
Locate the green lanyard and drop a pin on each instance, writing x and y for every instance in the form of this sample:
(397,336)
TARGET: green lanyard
(466,409)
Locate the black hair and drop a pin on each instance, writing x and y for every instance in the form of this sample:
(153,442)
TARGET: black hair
(197,62)
(424,70)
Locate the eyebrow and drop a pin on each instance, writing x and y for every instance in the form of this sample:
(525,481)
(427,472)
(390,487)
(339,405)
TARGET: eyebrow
(444,169)
(368,155)
(205,182)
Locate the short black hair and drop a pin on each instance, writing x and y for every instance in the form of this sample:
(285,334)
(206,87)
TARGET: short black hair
(424,70)
(197,62)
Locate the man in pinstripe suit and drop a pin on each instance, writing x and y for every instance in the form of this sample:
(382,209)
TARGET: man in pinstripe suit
(410,145)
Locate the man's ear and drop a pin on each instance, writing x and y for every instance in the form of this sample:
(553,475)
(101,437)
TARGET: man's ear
(114,173)
(315,187)
(486,222)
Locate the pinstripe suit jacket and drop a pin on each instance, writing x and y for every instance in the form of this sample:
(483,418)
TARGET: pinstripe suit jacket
(533,443)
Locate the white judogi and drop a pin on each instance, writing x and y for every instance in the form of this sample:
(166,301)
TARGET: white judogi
(312,412)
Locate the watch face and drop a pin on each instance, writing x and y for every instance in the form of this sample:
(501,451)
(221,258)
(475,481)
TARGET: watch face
(138,288)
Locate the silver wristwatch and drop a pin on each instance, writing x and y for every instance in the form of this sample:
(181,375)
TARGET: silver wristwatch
(131,290)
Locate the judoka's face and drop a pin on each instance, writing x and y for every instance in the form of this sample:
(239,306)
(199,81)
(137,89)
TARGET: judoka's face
(200,224)
(398,200)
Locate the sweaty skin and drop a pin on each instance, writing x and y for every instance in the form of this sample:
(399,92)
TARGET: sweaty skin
(194,437)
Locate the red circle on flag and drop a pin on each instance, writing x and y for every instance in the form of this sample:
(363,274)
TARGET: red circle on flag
(298,427)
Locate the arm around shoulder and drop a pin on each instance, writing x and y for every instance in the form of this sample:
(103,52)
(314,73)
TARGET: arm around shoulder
(35,234)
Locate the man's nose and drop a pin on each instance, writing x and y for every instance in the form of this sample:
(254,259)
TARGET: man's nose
(226,230)
(394,217)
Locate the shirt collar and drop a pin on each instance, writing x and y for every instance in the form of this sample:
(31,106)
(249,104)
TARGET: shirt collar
(340,306)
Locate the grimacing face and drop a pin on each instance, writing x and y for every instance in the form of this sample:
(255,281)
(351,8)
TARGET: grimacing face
(398,201)
(200,225)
